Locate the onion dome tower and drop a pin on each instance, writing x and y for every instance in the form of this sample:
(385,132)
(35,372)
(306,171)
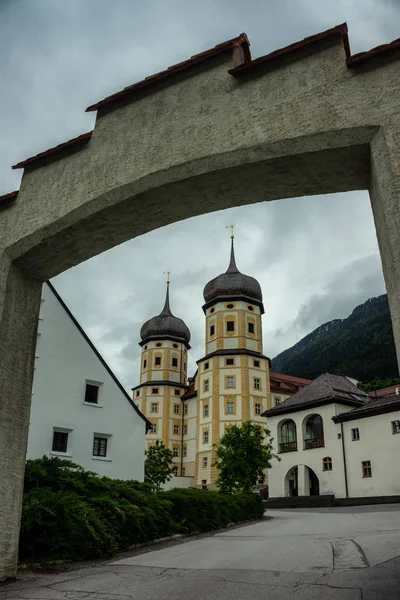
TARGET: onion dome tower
(233,376)
(163,376)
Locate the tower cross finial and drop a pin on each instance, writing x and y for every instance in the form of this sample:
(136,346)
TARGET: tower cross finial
(231,228)
(167,273)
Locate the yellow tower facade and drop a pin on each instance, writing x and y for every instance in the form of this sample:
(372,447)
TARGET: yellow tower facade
(232,382)
(163,376)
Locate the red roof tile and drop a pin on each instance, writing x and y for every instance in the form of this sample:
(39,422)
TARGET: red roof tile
(339,30)
(240,40)
(85,137)
(384,392)
(384,50)
(9,197)
(286,383)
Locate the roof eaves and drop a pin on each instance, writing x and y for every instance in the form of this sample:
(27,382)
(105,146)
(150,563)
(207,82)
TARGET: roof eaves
(240,40)
(6,199)
(338,31)
(101,359)
(70,145)
(383,50)
(282,409)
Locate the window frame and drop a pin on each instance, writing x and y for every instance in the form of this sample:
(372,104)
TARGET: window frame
(157,361)
(205,462)
(231,362)
(206,433)
(206,385)
(177,409)
(366,469)
(96,386)
(251,326)
(185,430)
(175,451)
(355,437)
(257,408)
(176,429)
(257,383)
(212,330)
(61,433)
(155,391)
(99,439)
(232,404)
(153,428)
(230,378)
(256,364)
(206,410)
(327,464)
(395,426)
(174,362)
(152,407)
(230,326)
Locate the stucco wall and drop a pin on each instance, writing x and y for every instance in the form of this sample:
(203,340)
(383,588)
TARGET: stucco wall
(379,445)
(331,482)
(64,362)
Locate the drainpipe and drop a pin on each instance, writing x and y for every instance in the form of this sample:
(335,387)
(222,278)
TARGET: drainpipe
(182,421)
(344,461)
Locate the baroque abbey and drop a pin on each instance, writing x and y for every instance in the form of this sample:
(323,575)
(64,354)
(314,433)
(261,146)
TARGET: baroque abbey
(232,383)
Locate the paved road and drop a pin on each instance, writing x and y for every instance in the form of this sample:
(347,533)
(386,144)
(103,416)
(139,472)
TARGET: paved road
(332,554)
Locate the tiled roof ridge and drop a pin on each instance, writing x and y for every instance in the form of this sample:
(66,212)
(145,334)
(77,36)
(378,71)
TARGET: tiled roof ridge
(247,66)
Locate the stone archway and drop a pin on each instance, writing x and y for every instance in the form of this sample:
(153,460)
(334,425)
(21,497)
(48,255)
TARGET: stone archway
(217,131)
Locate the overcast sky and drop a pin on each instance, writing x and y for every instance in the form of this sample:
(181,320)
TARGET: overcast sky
(316,258)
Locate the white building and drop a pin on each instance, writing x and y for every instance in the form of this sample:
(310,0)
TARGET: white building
(333,438)
(80,410)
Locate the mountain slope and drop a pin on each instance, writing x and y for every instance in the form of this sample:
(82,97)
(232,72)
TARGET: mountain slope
(361,346)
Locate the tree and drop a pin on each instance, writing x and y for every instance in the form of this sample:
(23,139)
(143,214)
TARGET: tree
(158,467)
(242,455)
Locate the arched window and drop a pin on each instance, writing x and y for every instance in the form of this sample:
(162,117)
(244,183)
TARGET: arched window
(327,463)
(314,433)
(288,436)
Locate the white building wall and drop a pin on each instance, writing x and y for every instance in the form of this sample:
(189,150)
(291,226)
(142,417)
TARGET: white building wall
(331,482)
(64,363)
(379,445)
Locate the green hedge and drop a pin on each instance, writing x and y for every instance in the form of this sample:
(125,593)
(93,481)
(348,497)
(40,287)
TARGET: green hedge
(72,514)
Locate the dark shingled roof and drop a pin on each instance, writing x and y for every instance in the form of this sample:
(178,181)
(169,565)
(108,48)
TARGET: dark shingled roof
(286,384)
(165,325)
(371,408)
(233,283)
(325,389)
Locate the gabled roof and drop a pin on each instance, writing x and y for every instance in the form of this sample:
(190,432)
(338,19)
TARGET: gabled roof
(371,408)
(327,388)
(97,353)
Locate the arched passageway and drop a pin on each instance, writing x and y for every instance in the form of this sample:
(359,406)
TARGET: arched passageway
(217,131)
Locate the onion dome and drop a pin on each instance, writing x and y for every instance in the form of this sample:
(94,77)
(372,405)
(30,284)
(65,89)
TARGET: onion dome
(233,284)
(165,326)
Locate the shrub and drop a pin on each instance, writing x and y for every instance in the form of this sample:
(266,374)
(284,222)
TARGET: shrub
(72,514)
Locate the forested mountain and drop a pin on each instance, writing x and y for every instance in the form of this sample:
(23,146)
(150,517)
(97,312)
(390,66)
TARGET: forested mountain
(361,346)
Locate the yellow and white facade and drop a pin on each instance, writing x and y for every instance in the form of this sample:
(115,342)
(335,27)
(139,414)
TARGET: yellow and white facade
(231,384)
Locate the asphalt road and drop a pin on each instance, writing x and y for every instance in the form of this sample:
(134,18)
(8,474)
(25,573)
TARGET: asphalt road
(332,554)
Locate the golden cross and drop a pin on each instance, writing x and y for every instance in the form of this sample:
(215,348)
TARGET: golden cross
(167,273)
(231,228)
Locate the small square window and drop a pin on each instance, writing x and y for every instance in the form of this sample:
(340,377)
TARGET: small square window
(153,428)
(205,437)
(175,451)
(366,468)
(176,429)
(157,361)
(257,409)
(251,327)
(154,407)
(277,400)
(206,385)
(230,325)
(229,361)
(355,434)
(230,408)
(256,363)
(100,446)
(177,409)
(185,409)
(174,362)
(257,383)
(185,430)
(206,366)
(144,363)
(184,451)
(60,441)
(92,393)
(205,410)
(230,381)
(327,464)
(177,392)
(395,426)
(205,462)
(212,330)
(154,390)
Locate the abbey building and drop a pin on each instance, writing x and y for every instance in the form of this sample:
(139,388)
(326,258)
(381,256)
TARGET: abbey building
(232,383)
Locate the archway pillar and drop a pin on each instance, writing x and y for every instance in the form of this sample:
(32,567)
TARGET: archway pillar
(384,190)
(19,307)
(303,480)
